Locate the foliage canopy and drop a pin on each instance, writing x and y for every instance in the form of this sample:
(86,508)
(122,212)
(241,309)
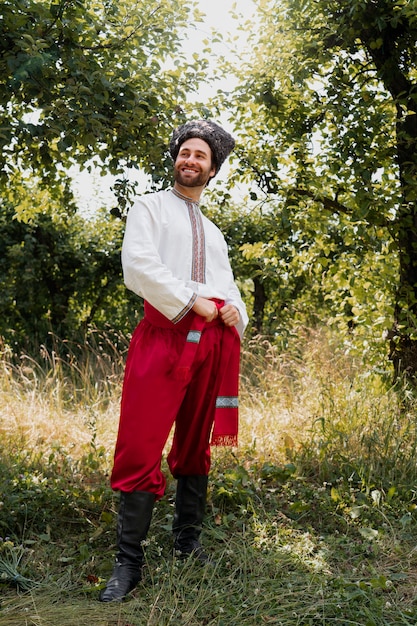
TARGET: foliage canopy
(96,85)
(332,89)
(83,81)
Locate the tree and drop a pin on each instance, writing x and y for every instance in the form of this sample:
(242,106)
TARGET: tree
(333,89)
(86,81)
(95,84)
(60,273)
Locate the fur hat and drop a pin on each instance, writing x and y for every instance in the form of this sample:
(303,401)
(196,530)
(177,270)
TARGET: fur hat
(220,141)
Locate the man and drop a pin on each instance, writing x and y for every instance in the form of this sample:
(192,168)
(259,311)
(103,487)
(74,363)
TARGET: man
(183,361)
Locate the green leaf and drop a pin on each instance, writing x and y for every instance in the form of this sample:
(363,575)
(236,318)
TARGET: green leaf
(369,534)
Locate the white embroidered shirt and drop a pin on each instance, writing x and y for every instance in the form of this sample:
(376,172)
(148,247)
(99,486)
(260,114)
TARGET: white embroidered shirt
(172,253)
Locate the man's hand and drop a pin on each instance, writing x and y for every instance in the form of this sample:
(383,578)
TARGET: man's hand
(207,309)
(229,315)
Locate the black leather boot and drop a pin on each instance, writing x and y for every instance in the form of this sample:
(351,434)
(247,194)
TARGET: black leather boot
(190,505)
(133,521)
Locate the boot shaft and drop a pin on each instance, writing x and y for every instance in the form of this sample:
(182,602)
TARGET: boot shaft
(133,521)
(190,506)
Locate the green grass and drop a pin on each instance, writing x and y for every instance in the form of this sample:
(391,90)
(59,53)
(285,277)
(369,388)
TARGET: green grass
(311,521)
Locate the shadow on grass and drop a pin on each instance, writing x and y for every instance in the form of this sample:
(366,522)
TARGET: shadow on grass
(287,551)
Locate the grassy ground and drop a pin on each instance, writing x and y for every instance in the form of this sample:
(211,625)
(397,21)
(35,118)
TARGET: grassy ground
(312,520)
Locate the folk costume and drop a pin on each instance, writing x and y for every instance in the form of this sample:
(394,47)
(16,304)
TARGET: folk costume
(180,369)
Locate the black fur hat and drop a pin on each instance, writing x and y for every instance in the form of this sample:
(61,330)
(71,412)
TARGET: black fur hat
(220,141)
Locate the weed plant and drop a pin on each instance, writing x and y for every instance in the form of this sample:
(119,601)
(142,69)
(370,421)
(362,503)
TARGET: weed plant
(310,521)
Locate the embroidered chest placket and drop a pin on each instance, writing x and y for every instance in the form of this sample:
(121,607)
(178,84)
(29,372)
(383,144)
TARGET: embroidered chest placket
(198,265)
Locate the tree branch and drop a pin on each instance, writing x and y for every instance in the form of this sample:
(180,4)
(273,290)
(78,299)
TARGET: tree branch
(328,203)
(333,205)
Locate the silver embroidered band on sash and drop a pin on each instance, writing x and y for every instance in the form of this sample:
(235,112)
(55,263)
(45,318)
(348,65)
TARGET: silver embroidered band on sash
(194,336)
(227,402)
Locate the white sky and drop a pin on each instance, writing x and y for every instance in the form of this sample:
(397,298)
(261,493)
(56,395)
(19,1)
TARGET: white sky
(218,12)
(218,16)
(92,191)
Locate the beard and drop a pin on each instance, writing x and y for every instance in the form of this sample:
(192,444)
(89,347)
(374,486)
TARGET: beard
(199,180)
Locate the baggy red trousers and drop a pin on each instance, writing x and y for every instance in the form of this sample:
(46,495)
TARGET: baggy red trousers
(174,375)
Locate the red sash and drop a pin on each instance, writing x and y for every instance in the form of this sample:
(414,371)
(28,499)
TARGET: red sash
(225,428)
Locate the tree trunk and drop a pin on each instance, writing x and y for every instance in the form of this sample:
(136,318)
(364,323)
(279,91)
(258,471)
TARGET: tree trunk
(389,62)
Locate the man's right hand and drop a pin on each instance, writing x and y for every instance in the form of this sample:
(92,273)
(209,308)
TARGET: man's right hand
(207,309)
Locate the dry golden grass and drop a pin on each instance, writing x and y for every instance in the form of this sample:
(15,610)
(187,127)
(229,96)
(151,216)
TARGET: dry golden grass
(282,393)
(281,396)
(46,406)
(38,418)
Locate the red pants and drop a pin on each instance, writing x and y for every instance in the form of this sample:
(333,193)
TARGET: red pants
(153,400)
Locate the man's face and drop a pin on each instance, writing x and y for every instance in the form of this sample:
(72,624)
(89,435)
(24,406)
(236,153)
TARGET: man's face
(193,166)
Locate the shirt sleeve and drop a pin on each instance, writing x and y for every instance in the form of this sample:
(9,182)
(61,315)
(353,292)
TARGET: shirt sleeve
(144,272)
